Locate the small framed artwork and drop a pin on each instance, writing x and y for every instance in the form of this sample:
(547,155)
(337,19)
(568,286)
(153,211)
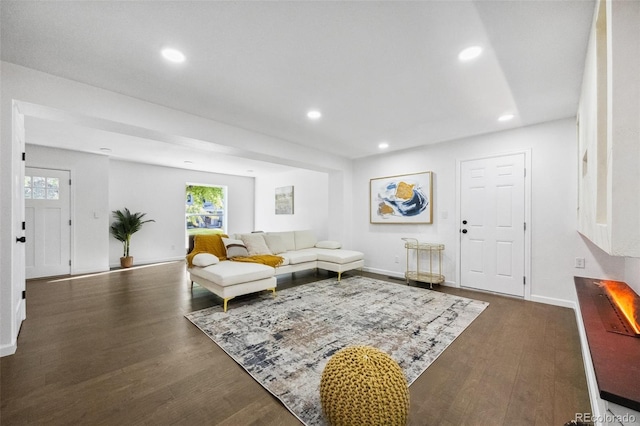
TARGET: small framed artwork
(401,199)
(284,200)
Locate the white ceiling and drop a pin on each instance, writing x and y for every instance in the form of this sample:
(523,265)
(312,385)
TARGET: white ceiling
(127,147)
(378,71)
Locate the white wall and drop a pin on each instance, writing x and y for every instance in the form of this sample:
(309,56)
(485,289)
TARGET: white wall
(89,203)
(311,202)
(555,241)
(632,273)
(101,186)
(160,193)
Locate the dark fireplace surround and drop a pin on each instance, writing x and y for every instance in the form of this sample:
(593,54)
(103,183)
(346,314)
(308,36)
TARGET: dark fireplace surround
(614,344)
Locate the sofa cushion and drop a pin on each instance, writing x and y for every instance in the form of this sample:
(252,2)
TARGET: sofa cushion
(275,243)
(288,239)
(255,244)
(338,256)
(305,239)
(299,256)
(205,259)
(229,272)
(235,248)
(329,244)
(285,261)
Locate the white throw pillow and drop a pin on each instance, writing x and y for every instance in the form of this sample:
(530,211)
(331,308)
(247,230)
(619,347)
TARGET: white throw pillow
(235,248)
(205,259)
(328,244)
(255,244)
(275,243)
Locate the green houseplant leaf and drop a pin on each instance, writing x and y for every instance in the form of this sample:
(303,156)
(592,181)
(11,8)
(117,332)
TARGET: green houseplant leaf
(125,225)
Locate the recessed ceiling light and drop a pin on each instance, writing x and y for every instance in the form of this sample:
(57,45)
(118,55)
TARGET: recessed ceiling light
(173,55)
(470,53)
(314,114)
(505,117)
(383,145)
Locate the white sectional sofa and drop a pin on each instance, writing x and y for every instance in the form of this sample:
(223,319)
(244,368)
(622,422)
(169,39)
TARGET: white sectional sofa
(299,251)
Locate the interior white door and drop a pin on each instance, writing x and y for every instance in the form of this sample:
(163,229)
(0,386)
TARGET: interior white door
(492,228)
(47,216)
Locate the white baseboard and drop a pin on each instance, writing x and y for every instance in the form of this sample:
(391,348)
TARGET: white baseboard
(150,261)
(8,349)
(88,271)
(21,313)
(597,406)
(400,275)
(393,274)
(553,301)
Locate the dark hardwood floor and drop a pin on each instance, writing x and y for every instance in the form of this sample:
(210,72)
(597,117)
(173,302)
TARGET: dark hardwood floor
(115,349)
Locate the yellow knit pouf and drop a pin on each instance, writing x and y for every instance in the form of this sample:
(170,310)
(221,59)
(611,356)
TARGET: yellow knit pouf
(362,385)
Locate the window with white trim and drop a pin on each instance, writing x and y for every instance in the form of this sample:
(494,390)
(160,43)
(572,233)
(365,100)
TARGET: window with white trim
(41,188)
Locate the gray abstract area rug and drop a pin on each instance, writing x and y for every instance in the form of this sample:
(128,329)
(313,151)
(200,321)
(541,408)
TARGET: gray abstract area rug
(284,342)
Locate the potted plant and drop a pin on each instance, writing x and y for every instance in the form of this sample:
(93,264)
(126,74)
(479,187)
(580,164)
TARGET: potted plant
(125,225)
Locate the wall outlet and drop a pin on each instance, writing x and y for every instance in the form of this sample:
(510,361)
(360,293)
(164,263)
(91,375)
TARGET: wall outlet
(397,259)
(579,262)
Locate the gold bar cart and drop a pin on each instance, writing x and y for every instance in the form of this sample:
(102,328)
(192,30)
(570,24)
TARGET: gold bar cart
(429,276)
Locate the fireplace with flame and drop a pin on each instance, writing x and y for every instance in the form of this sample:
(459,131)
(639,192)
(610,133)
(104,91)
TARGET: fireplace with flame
(611,315)
(619,307)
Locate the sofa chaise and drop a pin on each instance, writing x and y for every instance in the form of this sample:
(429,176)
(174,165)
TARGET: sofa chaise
(234,273)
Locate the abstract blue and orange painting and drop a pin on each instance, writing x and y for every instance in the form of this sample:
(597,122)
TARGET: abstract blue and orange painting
(401,199)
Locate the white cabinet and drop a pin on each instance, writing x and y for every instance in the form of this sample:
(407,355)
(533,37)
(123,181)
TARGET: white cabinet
(609,131)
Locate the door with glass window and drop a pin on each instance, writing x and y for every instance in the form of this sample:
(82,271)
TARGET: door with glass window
(48,222)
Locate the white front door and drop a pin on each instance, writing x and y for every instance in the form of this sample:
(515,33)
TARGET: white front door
(492,228)
(48,227)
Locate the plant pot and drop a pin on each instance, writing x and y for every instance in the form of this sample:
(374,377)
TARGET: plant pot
(126,262)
